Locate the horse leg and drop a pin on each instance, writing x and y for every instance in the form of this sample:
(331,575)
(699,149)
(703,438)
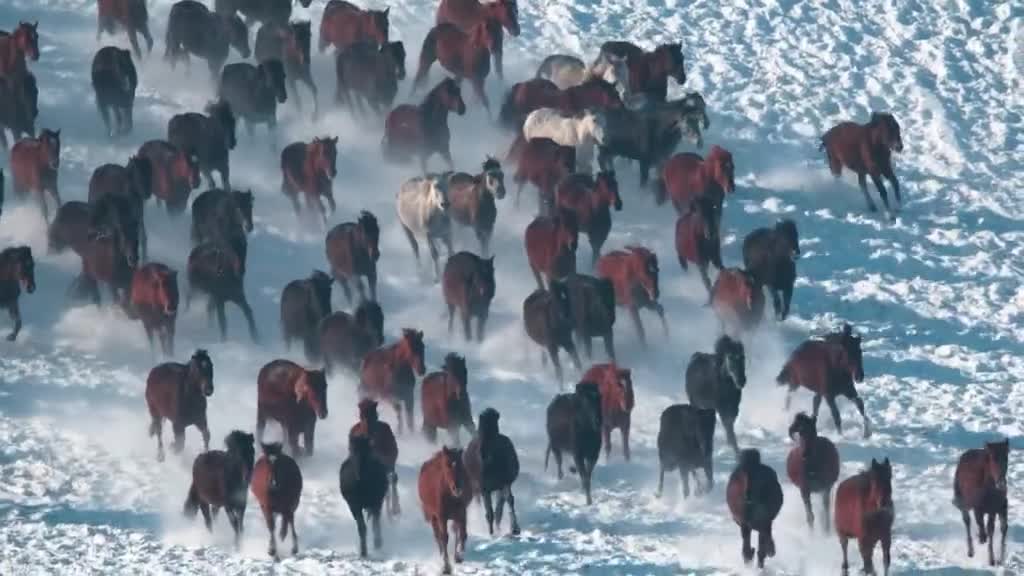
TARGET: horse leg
(843,542)
(293,90)
(309,435)
(684,474)
(396,508)
(144,30)
(222,321)
(478,88)
(891,177)
(247,311)
(268,516)
(104,111)
(860,408)
(481,323)
(702,267)
(375,520)
(990,529)
(459,518)
(441,538)
(863,183)
(606,438)
(634,313)
(609,345)
(1002,529)
(295,537)
(536,276)
(826,504)
(585,474)
(464,312)
(489,511)
(836,418)
(15,313)
(371,281)
(134,41)
(777,306)
(660,311)
(886,541)
(787,298)
(624,431)
(261,424)
(747,551)
(207,519)
(515,520)
(867,551)
(966,516)
(412,242)
(881,192)
(815,404)
(484,237)
(204,430)
(179,437)
(432,246)
(156,428)
(805,495)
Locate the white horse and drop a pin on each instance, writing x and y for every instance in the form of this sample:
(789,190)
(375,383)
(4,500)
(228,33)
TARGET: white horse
(422,206)
(582,132)
(566,71)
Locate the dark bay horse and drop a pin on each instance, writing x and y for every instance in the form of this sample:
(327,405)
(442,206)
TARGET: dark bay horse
(548,321)
(468,285)
(648,71)
(715,382)
(864,511)
(254,91)
(866,150)
(220,479)
(217,270)
(35,163)
(17,273)
(770,254)
(812,465)
(293,396)
(344,24)
(153,297)
(114,81)
(265,11)
(210,137)
(309,168)
(698,239)
(193,29)
(550,244)
(592,303)
(422,130)
(445,400)
(468,13)
(277,486)
(389,373)
(178,392)
(289,44)
(686,437)
(754,497)
(132,182)
(472,200)
(383,446)
(224,217)
(634,273)
(304,304)
(574,423)
(129,15)
(368,75)
(980,485)
(463,54)
(363,482)
(591,199)
(492,466)
(353,249)
(19,106)
(345,339)
(17,47)
(445,495)
(104,261)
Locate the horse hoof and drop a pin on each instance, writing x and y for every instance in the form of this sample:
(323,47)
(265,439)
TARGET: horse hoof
(12,337)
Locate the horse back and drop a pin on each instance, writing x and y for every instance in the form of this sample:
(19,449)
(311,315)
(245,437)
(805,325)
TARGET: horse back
(461,13)
(382,441)
(215,477)
(164,387)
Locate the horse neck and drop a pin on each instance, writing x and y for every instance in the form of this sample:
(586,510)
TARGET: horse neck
(433,112)
(309,163)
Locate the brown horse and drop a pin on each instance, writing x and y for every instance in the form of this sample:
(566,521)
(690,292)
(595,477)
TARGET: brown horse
(130,15)
(698,240)
(469,13)
(754,497)
(422,130)
(132,182)
(547,318)
(304,304)
(866,150)
(104,261)
(864,511)
(980,485)
(444,495)
(445,400)
(344,24)
(828,368)
(17,273)
(591,198)
(383,445)
(551,246)
(595,93)
(592,302)
(574,423)
(648,71)
(209,137)
(310,169)
(153,297)
(812,465)
(686,437)
(464,54)
(353,249)
(175,174)
(289,43)
(277,486)
(468,285)
(17,46)
(178,392)
(737,300)
(686,176)
(471,200)
(617,401)
(363,482)
(293,396)
(525,97)
(389,373)
(34,166)
(217,270)
(220,479)
(634,273)
(770,254)
(346,339)
(368,75)
(492,466)
(543,163)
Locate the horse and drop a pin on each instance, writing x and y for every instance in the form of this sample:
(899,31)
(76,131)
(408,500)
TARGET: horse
(492,465)
(422,205)
(132,182)
(220,479)
(465,14)
(17,273)
(75,221)
(617,401)
(17,47)
(353,249)
(737,300)
(422,130)
(828,368)
(175,174)
(574,425)
(304,304)
(812,465)
(19,106)
(114,80)
(592,303)
(686,176)
(153,297)
(293,396)
(209,137)
(389,373)
(444,397)
(178,392)
(217,270)
(648,71)
(550,243)
(866,150)
(463,54)
(543,163)
(472,200)
(344,24)
(130,15)
(698,239)
(290,44)
(634,274)
(581,131)
(277,486)
(566,71)
(754,497)
(34,166)
(686,437)
(192,28)
(368,75)
(223,217)
(104,261)
(525,97)
(980,485)
(346,339)
(547,318)
(468,285)
(310,169)
(864,511)
(590,198)
(264,11)
(254,92)
(383,445)
(715,382)
(770,254)
(363,482)
(444,496)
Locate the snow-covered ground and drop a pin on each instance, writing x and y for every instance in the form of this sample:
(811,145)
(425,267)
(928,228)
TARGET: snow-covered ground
(938,296)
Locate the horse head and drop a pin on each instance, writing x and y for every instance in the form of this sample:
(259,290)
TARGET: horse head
(886,131)
(185,167)
(326,156)
(452,472)
(732,360)
(311,386)
(803,426)
(722,168)
(141,170)
(997,455)
(493,177)
(221,113)
(855,356)
(455,366)
(567,231)
(786,231)
(27,39)
(25,268)
(368,412)
(396,51)
(320,283)
(506,12)
(200,368)
(51,143)
(588,396)
(880,491)
(450,95)
(379,25)
(488,420)
(414,349)
(273,75)
(646,265)
(242,445)
(370,317)
(606,189)
(165,287)
(484,279)
(592,125)
(621,388)
(671,58)
(237,33)
(371,233)
(437,193)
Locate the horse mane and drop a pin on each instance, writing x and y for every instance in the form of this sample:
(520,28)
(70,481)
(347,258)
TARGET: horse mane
(749,458)
(415,338)
(491,163)
(302,30)
(271,449)
(368,222)
(642,252)
(16,253)
(725,344)
(455,364)
(367,406)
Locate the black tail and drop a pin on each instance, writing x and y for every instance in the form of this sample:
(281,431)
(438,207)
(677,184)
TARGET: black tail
(191,502)
(508,116)
(783,378)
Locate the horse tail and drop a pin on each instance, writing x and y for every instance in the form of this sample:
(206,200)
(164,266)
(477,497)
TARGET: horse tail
(428,54)
(547,455)
(507,116)
(958,498)
(515,151)
(191,502)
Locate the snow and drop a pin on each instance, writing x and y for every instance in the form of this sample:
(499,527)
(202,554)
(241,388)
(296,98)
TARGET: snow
(937,295)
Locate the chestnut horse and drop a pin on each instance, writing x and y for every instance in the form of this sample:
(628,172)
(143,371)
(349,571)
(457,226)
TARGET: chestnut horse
(551,246)
(492,466)
(17,273)
(698,239)
(468,13)
(130,15)
(277,486)
(864,511)
(445,400)
(445,494)
(754,497)
(543,163)
(634,273)
(463,54)
(737,300)
(346,339)
(866,150)
(980,485)
(686,176)
(178,392)
(175,174)
(525,97)
(468,284)
(153,297)
(383,446)
(591,198)
(472,200)
(310,168)
(423,130)
(293,396)
(389,373)
(828,368)
(344,24)
(617,401)
(17,46)
(34,166)
(220,479)
(353,249)
(812,465)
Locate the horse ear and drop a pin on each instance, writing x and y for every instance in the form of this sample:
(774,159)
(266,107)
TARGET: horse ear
(387,10)
(874,462)
(886,463)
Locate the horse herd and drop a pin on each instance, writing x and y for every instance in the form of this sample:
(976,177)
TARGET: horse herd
(616,107)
